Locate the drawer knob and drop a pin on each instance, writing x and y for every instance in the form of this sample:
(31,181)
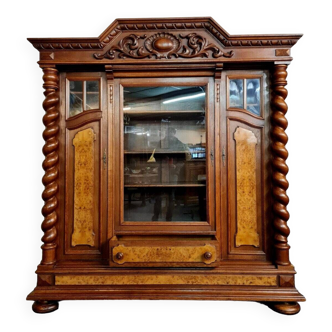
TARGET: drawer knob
(119,256)
(208,255)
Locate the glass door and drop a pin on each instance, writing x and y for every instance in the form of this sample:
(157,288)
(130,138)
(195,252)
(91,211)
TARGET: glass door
(164,152)
(165,144)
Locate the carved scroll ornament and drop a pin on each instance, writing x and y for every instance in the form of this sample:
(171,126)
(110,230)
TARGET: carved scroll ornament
(163,46)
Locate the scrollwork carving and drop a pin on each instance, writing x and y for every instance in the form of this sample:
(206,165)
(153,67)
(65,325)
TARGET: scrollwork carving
(163,46)
(198,46)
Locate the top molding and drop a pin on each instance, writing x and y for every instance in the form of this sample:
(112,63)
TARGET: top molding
(200,37)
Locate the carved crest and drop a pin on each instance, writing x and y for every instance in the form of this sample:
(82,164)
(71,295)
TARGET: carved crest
(163,46)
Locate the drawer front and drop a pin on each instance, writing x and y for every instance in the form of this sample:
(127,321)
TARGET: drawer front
(204,254)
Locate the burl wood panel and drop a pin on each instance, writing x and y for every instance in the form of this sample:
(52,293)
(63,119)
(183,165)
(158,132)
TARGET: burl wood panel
(168,279)
(84,188)
(246,142)
(174,254)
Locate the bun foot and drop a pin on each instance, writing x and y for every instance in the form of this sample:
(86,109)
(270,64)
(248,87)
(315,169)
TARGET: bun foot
(293,308)
(44,307)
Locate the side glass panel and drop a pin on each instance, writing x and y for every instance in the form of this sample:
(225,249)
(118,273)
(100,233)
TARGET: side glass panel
(76,97)
(253,96)
(164,154)
(236,93)
(245,94)
(92,95)
(83,96)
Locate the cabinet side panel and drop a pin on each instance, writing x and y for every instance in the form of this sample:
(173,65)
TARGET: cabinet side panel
(246,188)
(245,176)
(83,232)
(82,190)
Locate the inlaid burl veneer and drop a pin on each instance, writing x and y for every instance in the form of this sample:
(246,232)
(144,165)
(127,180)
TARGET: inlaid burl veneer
(165,165)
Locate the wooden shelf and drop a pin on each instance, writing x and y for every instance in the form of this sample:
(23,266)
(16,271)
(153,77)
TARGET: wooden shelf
(162,112)
(165,185)
(156,152)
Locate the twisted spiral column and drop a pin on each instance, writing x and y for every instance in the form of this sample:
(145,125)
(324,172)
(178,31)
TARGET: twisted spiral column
(279,166)
(50,165)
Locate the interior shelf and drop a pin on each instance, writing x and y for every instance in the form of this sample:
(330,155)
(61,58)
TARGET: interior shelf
(154,112)
(156,152)
(166,185)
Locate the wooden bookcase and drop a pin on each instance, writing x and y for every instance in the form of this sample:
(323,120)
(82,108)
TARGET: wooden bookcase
(165,165)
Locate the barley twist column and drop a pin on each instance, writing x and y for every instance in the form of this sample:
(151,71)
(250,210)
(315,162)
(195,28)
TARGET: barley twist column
(50,165)
(279,166)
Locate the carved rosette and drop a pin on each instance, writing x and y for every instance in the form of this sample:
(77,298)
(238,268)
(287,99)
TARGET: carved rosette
(279,167)
(163,46)
(50,164)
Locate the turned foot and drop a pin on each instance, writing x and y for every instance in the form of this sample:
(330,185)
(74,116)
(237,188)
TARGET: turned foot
(292,308)
(44,307)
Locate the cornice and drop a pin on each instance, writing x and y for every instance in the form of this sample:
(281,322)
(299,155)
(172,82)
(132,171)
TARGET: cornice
(164,25)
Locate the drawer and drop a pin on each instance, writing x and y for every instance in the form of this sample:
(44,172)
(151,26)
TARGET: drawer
(155,254)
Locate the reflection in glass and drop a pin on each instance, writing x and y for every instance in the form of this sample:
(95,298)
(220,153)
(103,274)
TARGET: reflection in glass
(236,93)
(164,98)
(253,96)
(164,204)
(76,97)
(164,154)
(92,95)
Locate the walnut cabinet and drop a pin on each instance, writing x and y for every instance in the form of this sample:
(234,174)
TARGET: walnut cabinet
(165,165)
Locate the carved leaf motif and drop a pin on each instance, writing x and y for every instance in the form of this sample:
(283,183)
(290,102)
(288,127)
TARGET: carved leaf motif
(200,46)
(163,46)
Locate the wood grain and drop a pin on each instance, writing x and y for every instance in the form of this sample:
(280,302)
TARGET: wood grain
(84,188)
(174,279)
(246,142)
(152,254)
(89,251)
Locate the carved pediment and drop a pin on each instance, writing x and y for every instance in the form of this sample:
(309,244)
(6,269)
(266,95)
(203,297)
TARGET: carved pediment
(163,46)
(165,39)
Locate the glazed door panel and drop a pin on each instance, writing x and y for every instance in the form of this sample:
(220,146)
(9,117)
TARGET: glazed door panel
(84,175)
(245,194)
(164,152)
(163,173)
(246,97)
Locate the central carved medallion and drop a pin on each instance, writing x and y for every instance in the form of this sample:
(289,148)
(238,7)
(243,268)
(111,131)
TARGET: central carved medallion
(163,46)
(162,42)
